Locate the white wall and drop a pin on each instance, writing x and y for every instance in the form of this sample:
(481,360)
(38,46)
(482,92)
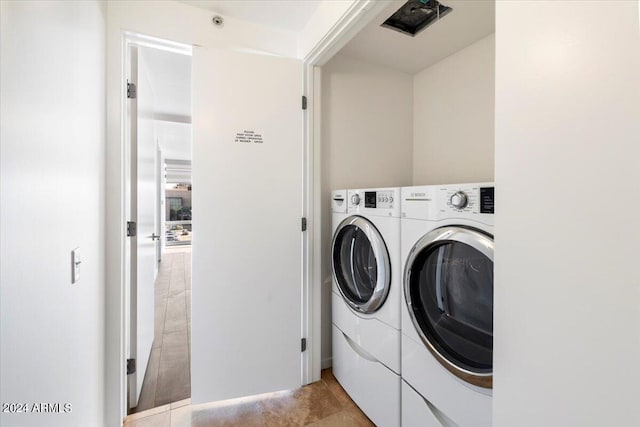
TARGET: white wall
(366,141)
(52,198)
(453,110)
(567,283)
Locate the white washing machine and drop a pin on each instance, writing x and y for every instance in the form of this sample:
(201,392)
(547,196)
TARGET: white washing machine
(447,312)
(366,299)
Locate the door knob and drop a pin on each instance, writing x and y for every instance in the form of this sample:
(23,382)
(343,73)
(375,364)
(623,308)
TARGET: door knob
(154,236)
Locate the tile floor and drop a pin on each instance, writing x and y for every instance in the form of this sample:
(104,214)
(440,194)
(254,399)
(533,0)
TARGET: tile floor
(168,376)
(164,400)
(321,404)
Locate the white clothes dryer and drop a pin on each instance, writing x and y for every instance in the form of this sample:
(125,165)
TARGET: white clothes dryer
(366,298)
(447,314)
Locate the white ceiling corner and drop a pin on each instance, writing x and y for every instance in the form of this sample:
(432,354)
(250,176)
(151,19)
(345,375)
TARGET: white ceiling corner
(284,15)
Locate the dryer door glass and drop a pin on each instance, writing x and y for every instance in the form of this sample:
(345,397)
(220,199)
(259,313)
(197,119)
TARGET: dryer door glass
(450,285)
(356,264)
(360,264)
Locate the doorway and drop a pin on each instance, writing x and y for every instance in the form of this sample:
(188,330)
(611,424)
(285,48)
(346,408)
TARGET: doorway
(159,292)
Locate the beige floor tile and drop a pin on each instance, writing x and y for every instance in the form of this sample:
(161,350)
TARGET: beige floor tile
(313,405)
(181,403)
(306,405)
(163,279)
(336,389)
(174,346)
(176,314)
(160,312)
(188,300)
(174,374)
(162,419)
(246,414)
(181,417)
(147,412)
(148,394)
(177,286)
(344,418)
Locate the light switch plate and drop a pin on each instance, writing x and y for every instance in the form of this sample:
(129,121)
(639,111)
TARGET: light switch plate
(75,265)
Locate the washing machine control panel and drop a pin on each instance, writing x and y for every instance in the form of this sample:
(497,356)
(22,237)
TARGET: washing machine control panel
(379,199)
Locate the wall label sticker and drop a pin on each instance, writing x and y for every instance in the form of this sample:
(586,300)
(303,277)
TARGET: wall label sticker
(249,137)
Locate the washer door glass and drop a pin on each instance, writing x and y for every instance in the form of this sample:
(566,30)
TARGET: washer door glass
(450,291)
(360,264)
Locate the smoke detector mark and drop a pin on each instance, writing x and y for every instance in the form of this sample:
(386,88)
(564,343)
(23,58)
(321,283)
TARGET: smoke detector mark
(218,21)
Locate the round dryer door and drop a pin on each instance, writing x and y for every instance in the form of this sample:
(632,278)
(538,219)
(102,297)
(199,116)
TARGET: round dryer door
(360,263)
(448,286)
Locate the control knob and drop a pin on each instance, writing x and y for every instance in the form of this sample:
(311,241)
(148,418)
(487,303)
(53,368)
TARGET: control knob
(355,199)
(459,200)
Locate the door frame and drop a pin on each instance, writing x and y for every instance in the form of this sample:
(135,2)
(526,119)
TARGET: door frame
(359,15)
(356,17)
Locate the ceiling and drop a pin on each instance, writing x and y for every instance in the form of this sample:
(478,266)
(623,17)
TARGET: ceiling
(174,139)
(169,75)
(286,15)
(469,21)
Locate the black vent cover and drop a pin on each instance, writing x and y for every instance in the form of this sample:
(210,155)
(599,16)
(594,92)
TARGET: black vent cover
(416,15)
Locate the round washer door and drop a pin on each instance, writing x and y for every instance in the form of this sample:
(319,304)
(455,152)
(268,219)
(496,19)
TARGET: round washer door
(448,285)
(360,264)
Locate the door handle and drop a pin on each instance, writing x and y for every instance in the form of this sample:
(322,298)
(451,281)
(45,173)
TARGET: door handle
(154,236)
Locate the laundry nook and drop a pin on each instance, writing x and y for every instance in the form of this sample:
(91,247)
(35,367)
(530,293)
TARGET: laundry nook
(338,213)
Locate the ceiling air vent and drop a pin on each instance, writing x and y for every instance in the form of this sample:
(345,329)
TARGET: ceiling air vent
(416,15)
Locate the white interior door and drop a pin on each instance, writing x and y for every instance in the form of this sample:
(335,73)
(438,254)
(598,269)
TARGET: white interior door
(247,247)
(143,211)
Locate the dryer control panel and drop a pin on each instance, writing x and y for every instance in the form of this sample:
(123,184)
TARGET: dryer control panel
(467,198)
(448,202)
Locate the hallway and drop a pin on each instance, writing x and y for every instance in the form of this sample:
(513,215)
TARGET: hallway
(168,376)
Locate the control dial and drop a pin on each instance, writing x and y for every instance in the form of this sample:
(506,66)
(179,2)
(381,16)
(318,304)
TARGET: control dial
(459,200)
(355,199)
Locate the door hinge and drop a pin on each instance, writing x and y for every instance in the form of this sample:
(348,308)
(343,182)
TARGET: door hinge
(303,344)
(304,102)
(131,228)
(303,224)
(131,366)
(132,91)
